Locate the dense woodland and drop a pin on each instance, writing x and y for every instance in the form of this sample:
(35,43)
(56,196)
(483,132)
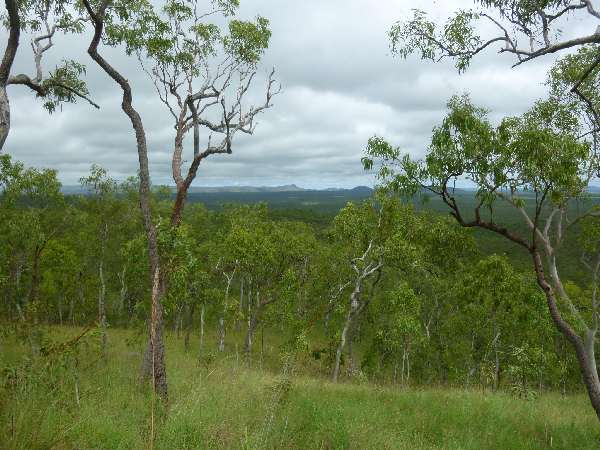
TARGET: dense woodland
(417,286)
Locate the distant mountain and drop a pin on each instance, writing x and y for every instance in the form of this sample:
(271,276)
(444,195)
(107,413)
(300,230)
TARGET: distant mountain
(366,190)
(219,189)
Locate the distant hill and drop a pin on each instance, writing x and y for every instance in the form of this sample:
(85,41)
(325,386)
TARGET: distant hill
(212,189)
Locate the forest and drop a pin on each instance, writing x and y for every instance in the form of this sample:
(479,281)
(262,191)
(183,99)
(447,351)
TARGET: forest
(417,314)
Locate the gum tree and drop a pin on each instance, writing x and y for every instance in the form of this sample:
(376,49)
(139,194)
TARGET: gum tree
(536,164)
(524,29)
(42,20)
(102,208)
(202,72)
(372,238)
(154,364)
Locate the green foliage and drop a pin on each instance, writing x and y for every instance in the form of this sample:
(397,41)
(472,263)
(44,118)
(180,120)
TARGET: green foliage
(64,85)
(247,40)
(522,154)
(457,38)
(179,38)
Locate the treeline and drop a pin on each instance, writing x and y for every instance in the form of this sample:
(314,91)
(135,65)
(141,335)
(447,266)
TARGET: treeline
(383,293)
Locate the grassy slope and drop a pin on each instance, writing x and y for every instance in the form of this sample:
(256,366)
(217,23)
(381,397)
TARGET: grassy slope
(225,404)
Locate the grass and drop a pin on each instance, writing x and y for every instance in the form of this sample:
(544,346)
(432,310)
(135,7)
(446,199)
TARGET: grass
(226,404)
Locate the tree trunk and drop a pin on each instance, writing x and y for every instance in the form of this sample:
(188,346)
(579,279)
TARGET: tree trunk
(224,312)
(153,365)
(584,348)
(154,362)
(10,52)
(4,115)
(342,345)
(221,334)
(61,299)
(252,323)
(496,353)
(190,326)
(351,357)
(202,328)
(354,306)
(178,321)
(72,310)
(123,290)
(238,324)
(102,307)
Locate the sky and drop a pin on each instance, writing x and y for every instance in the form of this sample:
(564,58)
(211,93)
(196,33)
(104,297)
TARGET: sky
(340,86)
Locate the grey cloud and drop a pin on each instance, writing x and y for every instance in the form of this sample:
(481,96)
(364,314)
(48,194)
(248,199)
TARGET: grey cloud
(341,86)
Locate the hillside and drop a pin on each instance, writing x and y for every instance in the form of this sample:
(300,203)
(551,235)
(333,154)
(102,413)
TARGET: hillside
(228,402)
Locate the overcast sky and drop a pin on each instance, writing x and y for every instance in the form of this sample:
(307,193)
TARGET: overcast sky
(340,83)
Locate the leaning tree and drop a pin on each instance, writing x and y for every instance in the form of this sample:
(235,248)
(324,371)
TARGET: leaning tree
(200,72)
(43,20)
(101,16)
(526,30)
(536,164)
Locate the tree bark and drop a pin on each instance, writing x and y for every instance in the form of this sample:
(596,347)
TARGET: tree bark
(241,306)
(252,323)
(354,305)
(223,312)
(190,326)
(496,353)
(221,334)
(34,290)
(123,290)
(14,24)
(202,328)
(61,298)
(154,362)
(584,348)
(102,306)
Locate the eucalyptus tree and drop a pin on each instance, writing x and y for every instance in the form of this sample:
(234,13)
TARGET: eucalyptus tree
(34,214)
(202,73)
(372,238)
(101,207)
(398,330)
(269,256)
(494,301)
(182,267)
(43,20)
(524,29)
(100,14)
(60,275)
(536,164)
(202,61)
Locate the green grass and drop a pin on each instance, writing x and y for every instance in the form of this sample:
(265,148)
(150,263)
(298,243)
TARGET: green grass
(226,404)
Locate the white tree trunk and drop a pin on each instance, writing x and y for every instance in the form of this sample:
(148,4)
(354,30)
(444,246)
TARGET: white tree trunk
(202,328)
(102,305)
(4,116)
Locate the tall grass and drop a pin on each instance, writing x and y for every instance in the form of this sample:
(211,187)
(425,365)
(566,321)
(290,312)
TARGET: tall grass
(226,403)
